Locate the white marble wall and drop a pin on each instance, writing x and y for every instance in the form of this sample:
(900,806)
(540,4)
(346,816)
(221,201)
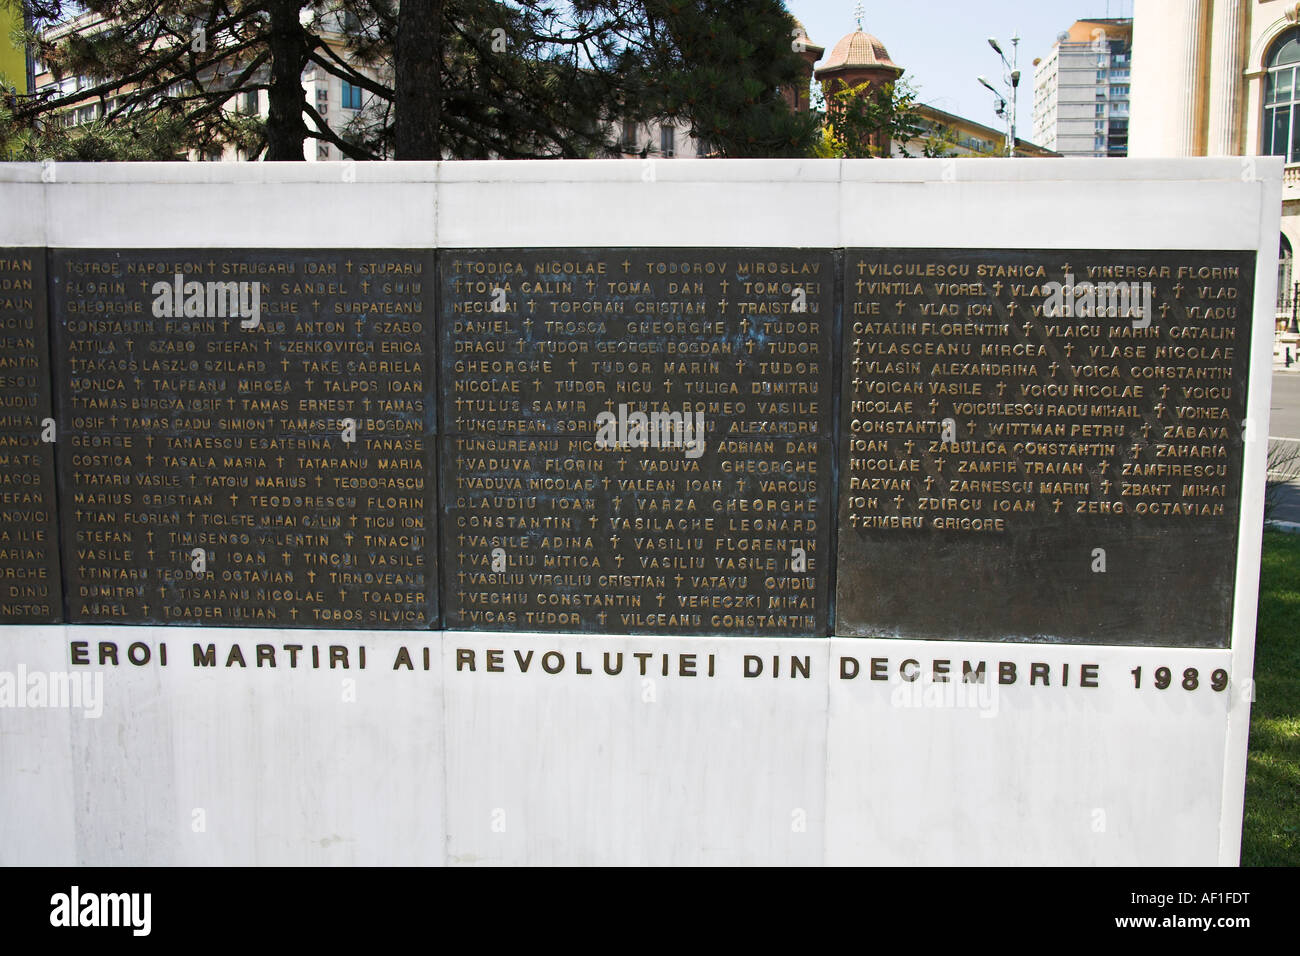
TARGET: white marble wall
(191,764)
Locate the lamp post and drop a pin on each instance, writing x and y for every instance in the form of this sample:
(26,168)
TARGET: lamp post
(1011,77)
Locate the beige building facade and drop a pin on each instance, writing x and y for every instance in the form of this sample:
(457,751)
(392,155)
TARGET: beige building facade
(1222,78)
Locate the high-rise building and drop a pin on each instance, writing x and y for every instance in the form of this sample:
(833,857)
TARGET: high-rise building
(1081,90)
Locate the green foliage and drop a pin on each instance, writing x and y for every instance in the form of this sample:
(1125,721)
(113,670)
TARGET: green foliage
(861,122)
(161,73)
(723,67)
(1271,832)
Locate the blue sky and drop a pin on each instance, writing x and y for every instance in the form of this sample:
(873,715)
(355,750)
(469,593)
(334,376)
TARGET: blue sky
(943,45)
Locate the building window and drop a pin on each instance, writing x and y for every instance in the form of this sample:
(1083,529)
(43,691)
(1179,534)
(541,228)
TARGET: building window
(667,143)
(1285,294)
(1282,98)
(351,96)
(629,137)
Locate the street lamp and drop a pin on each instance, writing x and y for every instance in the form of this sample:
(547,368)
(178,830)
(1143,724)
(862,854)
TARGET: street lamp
(1011,77)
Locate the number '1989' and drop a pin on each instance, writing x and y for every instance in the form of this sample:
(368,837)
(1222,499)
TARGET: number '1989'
(1164,677)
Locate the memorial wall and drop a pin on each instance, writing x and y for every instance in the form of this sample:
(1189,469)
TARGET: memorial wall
(716,521)
(30,589)
(631,441)
(613,512)
(249,437)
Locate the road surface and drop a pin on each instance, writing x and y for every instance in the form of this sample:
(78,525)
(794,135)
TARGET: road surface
(1284,422)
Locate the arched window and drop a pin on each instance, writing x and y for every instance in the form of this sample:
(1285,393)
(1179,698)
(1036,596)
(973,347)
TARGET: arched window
(1282,98)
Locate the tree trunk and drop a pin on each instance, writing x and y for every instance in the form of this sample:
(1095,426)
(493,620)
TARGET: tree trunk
(418,82)
(286,131)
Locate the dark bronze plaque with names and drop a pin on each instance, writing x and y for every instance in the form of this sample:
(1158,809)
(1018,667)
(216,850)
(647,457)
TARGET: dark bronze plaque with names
(247,436)
(637,441)
(1023,461)
(30,589)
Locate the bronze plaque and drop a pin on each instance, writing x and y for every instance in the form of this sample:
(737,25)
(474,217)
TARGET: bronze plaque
(30,589)
(247,436)
(637,441)
(1043,446)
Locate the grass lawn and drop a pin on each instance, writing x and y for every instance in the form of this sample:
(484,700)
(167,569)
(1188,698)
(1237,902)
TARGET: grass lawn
(1271,834)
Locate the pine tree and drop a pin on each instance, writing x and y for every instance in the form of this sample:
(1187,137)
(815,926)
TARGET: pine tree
(444,78)
(170,73)
(722,67)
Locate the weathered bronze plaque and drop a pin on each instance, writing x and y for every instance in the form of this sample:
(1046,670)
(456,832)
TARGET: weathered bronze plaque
(637,440)
(247,436)
(1043,446)
(30,589)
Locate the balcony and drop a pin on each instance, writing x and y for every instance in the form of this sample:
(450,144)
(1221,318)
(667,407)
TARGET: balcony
(1291,182)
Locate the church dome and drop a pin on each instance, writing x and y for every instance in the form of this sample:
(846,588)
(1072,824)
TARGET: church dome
(858,51)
